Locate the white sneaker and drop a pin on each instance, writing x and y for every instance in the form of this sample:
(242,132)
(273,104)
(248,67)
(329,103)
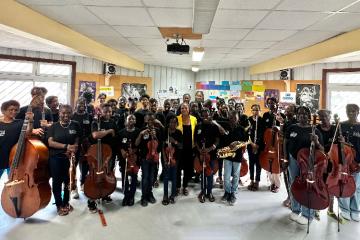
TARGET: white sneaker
(293,216)
(345,216)
(302,220)
(75,194)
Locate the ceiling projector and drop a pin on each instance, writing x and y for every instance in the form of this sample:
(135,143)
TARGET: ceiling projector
(178,48)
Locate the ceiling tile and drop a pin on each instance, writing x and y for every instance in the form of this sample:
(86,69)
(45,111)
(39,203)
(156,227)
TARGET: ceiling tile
(354,8)
(134,31)
(95,30)
(65,14)
(269,35)
(226,34)
(255,44)
(169,3)
(275,52)
(248,4)
(109,3)
(237,18)
(148,41)
(113,42)
(217,50)
(312,5)
(245,52)
(218,43)
(165,17)
(342,22)
(290,20)
(123,16)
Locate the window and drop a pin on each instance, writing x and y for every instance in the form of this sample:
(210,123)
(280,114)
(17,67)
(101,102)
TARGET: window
(16,66)
(54,69)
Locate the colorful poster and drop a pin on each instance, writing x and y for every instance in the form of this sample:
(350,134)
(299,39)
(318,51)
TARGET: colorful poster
(288,97)
(108,90)
(308,95)
(133,90)
(258,83)
(235,88)
(259,95)
(87,86)
(258,88)
(271,93)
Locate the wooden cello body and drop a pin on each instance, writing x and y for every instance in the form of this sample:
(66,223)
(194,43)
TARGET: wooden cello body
(101,181)
(28,189)
(269,158)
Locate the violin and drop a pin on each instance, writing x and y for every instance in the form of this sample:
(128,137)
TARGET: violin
(340,182)
(28,189)
(309,188)
(170,153)
(131,160)
(269,157)
(101,181)
(203,163)
(152,146)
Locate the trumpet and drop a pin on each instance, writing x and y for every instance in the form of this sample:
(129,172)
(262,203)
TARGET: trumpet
(228,151)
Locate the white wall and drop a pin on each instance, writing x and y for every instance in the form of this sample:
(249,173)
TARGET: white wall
(308,72)
(163,77)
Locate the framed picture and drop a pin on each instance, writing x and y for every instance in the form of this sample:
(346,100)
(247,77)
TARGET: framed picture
(133,90)
(308,95)
(87,86)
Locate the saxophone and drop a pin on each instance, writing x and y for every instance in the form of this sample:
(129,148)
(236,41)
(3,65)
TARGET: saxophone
(226,152)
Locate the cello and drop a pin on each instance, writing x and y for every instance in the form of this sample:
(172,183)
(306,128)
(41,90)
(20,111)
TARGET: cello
(309,188)
(269,158)
(101,181)
(28,189)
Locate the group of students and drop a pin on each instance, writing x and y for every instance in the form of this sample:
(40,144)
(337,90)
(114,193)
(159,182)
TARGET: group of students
(193,130)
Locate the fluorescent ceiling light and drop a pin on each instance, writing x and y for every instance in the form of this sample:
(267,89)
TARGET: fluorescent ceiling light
(195,69)
(203,15)
(198,54)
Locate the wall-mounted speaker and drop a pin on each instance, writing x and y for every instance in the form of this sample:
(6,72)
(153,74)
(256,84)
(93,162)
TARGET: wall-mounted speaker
(109,69)
(286,74)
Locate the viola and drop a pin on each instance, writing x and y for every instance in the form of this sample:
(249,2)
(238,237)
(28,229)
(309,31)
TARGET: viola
(202,163)
(170,153)
(340,182)
(101,181)
(269,157)
(131,160)
(28,189)
(152,146)
(309,188)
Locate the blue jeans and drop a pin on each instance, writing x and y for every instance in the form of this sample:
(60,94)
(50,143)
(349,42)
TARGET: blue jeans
(3,170)
(351,205)
(169,174)
(148,170)
(294,171)
(231,169)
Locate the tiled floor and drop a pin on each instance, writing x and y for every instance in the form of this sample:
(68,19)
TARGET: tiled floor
(256,215)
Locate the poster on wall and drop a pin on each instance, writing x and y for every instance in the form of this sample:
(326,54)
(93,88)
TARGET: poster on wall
(308,95)
(288,97)
(108,90)
(87,86)
(133,90)
(268,93)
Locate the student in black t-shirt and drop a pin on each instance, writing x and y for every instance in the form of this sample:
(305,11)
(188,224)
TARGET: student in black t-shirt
(232,164)
(42,115)
(297,137)
(122,112)
(140,114)
(256,133)
(243,118)
(107,133)
(10,129)
(84,119)
(52,102)
(173,140)
(63,139)
(149,133)
(127,138)
(206,141)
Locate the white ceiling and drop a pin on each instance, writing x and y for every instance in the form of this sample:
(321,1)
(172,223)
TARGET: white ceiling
(244,32)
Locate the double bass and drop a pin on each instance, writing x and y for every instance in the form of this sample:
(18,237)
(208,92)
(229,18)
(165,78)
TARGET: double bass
(28,189)
(309,188)
(340,182)
(101,181)
(270,157)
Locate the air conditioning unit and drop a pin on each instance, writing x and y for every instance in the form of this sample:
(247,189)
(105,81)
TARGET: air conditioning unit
(286,74)
(109,69)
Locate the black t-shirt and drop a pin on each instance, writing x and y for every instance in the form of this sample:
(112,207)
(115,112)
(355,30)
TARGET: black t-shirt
(177,135)
(121,113)
(37,115)
(85,121)
(268,119)
(299,137)
(64,135)
(207,133)
(106,125)
(235,134)
(146,138)
(327,136)
(55,116)
(126,138)
(243,120)
(140,115)
(9,135)
(351,133)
